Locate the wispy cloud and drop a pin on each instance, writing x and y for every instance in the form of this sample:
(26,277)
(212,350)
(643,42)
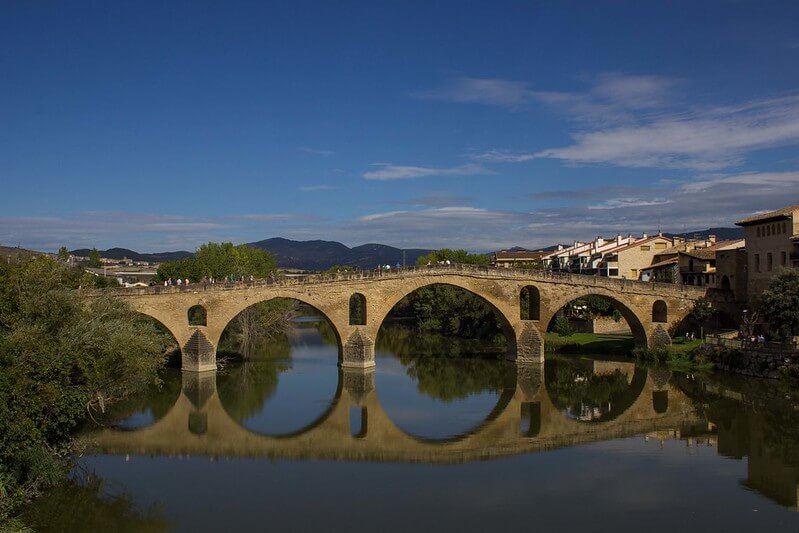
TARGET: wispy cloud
(610,93)
(438,199)
(387,172)
(637,121)
(316,151)
(267,217)
(502,156)
(617,203)
(492,91)
(704,140)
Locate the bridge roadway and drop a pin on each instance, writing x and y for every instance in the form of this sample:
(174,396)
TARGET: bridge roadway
(355,426)
(650,309)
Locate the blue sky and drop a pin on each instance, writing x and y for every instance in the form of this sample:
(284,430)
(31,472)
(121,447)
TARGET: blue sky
(162,125)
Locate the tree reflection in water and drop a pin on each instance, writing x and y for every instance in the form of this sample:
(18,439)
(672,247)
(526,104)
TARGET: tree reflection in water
(581,394)
(444,368)
(87,503)
(245,387)
(147,407)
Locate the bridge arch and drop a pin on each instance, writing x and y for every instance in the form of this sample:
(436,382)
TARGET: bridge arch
(625,308)
(503,315)
(325,315)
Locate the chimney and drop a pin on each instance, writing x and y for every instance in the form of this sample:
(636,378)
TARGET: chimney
(643,235)
(618,240)
(712,239)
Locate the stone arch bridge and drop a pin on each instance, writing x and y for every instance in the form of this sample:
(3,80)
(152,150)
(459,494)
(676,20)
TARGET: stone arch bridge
(649,308)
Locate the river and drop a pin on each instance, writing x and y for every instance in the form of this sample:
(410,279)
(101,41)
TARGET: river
(436,439)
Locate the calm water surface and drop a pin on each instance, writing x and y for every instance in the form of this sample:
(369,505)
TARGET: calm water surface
(434,442)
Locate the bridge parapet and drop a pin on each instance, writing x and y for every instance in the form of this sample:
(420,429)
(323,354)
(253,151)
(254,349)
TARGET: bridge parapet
(433,270)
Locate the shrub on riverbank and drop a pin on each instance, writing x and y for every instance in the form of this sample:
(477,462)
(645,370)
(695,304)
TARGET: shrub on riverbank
(63,355)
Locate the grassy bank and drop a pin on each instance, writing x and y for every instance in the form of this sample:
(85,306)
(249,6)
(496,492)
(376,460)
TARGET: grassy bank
(682,353)
(589,343)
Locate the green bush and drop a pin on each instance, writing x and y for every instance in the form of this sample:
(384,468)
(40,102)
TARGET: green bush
(563,327)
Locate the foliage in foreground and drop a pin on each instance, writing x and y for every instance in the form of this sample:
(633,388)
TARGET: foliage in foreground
(63,356)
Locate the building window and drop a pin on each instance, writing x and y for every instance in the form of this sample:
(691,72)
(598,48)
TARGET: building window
(645,248)
(784,258)
(758,232)
(785,227)
(757,262)
(769,261)
(660,246)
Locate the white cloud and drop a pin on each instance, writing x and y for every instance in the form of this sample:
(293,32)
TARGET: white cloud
(502,156)
(388,172)
(379,216)
(617,203)
(634,121)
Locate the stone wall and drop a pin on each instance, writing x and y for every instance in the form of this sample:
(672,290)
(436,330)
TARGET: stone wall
(750,362)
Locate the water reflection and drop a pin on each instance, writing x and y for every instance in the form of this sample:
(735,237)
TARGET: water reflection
(285,388)
(416,407)
(148,407)
(594,391)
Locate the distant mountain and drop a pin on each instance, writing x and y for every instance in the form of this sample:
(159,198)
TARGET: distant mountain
(722,234)
(123,253)
(321,255)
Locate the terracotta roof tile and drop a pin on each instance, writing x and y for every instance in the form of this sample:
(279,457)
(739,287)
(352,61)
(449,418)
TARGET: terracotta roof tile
(761,217)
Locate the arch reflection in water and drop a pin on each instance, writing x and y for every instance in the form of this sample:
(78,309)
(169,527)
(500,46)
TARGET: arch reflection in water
(287,387)
(439,388)
(147,407)
(356,427)
(588,390)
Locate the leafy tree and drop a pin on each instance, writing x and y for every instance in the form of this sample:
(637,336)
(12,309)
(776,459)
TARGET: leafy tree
(63,254)
(780,302)
(703,309)
(219,261)
(94,259)
(452,311)
(701,312)
(562,326)
(453,256)
(63,355)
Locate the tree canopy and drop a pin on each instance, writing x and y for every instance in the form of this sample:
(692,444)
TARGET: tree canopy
(63,354)
(220,260)
(453,256)
(94,259)
(781,302)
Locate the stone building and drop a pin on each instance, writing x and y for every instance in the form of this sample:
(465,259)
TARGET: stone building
(516,259)
(731,270)
(627,261)
(771,240)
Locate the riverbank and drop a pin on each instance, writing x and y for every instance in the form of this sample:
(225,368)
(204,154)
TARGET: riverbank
(682,353)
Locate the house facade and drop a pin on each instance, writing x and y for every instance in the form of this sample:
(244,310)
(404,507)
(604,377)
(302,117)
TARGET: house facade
(771,245)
